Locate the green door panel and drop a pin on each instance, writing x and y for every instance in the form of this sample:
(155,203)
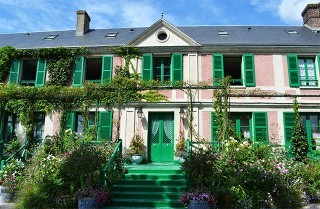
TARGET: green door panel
(161,141)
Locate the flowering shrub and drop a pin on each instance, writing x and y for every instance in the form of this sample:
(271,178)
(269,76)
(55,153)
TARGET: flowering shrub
(136,146)
(12,174)
(197,196)
(246,175)
(101,196)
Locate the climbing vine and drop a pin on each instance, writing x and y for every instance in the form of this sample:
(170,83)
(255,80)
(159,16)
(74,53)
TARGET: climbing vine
(7,54)
(221,107)
(299,141)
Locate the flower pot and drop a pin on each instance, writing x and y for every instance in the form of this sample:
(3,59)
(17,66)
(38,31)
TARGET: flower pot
(87,203)
(136,159)
(198,205)
(181,160)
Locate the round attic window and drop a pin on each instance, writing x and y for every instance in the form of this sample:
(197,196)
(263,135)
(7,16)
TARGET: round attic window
(162,36)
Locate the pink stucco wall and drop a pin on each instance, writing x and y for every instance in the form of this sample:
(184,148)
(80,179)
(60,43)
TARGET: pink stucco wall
(264,70)
(206,119)
(180,94)
(206,67)
(273,127)
(167,93)
(117,61)
(207,94)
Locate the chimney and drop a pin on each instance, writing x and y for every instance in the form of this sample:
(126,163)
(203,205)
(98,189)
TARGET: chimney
(83,22)
(311,16)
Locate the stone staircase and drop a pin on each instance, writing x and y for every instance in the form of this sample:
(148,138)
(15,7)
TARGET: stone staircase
(5,199)
(150,186)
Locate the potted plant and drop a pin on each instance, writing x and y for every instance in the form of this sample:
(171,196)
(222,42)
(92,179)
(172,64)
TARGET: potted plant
(180,151)
(136,149)
(91,198)
(197,199)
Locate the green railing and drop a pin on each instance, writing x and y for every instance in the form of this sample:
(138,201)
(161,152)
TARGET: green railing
(21,153)
(110,165)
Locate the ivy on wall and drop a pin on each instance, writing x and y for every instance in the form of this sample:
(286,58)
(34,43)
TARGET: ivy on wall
(7,54)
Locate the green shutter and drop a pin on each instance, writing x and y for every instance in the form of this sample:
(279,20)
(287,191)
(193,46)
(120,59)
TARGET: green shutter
(147,67)
(14,72)
(78,71)
(214,128)
(288,121)
(70,120)
(105,125)
(249,72)
(260,127)
(41,72)
(176,67)
(107,65)
(217,69)
(293,70)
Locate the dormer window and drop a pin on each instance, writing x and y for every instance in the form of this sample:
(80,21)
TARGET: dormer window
(223,33)
(112,35)
(293,33)
(50,37)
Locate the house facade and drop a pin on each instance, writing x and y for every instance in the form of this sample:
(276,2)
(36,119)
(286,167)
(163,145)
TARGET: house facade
(272,65)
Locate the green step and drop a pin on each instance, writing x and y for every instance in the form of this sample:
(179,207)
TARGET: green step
(124,202)
(135,176)
(150,188)
(148,195)
(154,182)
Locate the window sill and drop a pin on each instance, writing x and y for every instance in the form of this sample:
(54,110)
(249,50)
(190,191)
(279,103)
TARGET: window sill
(237,87)
(309,87)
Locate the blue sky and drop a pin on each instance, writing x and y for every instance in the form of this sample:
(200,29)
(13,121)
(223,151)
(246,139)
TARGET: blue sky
(49,15)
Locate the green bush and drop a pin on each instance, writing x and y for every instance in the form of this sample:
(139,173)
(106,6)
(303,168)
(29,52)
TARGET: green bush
(244,175)
(60,167)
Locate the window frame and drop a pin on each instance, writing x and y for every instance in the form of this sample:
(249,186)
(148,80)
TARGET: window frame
(306,71)
(41,122)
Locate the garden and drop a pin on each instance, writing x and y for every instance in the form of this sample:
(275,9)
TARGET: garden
(61,171)
(235,173)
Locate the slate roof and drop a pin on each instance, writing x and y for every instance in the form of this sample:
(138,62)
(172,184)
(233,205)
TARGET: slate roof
(204,35)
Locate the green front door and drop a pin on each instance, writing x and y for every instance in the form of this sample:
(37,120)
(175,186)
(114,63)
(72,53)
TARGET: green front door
(160,137)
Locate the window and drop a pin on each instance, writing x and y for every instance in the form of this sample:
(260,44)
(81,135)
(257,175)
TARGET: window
(39,119)
(293,33)
(241,69)
(102,120)
(112,35)
(242,123)
(50,37)
(307,72)
(11,124)
(253,126)
(28,72)
(223,33)
(161,71)
(302,71)
(79,122)
(93,69)
(162,68)
(311,124)
(232,68)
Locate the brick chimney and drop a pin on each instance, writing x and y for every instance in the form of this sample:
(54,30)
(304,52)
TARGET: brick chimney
(311,16)
(83,22)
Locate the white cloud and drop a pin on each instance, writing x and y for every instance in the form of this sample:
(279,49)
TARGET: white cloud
(122,13)
(290,10)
